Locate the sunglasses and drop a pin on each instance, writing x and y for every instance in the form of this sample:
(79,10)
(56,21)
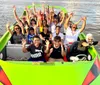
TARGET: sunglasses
(16,28)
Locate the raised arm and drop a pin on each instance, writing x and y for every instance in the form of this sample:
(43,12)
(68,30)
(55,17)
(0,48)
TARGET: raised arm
(34,9)
(47,15)
(52,9)
(18,20)
(15,15)
(63,17)
(84,24)
(27,15)
(26,29)
(51,14)
(35,30)
(66,24)
(48,8)
(22,28)
(8,28)
(43,8)
(78,22)
(24,49)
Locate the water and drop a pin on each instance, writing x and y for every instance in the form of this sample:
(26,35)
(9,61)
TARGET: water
(89,8)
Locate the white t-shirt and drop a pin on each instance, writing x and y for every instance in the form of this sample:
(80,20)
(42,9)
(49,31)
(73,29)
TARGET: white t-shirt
(60,34)
(53,28)
(71,36)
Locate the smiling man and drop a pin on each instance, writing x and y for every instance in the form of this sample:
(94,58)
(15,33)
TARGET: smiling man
(36,49)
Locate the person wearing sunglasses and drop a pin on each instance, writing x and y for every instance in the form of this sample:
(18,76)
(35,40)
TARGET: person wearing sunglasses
(17,34)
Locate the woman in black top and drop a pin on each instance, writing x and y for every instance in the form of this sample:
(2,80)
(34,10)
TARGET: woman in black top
(57,51)
(45,35)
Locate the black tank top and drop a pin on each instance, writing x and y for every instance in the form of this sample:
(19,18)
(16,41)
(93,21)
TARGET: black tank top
(56,54)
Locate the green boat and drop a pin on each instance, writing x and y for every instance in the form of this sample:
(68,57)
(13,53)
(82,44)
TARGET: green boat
(57,73)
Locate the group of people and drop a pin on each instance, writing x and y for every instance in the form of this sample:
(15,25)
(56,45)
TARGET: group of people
(49,34)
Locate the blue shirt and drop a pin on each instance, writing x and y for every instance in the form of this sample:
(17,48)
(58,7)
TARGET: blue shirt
(30,38)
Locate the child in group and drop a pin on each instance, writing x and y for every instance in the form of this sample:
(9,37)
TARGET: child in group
(30,35)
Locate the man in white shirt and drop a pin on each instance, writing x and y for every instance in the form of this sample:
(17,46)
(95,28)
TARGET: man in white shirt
(58,33)
(72,32)
(71,36)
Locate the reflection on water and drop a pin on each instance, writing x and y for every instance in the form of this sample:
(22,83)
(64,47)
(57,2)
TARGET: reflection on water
(90,8)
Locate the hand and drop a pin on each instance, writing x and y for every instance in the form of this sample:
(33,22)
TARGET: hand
(8,25)
(24,42)
(84,18)
(14,8)
(71,14)
(26,8)
(47,42)
(51,50)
